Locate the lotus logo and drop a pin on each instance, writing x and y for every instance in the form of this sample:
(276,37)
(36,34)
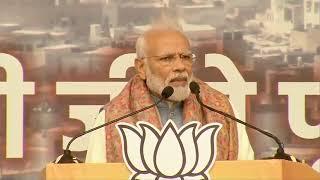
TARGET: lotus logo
(185,153)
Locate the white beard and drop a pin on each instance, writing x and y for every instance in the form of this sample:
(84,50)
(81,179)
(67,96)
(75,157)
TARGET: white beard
(156,85)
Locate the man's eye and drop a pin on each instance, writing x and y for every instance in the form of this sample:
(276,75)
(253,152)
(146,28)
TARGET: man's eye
(166,58)
(186,56)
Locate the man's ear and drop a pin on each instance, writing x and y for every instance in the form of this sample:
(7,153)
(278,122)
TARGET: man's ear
(139,65)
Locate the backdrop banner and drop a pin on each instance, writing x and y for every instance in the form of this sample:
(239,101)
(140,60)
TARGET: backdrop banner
(61,60)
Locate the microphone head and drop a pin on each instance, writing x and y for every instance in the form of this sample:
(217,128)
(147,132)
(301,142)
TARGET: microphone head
(194,87)
(167,92)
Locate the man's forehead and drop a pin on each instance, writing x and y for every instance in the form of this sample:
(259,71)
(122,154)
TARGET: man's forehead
(157,37)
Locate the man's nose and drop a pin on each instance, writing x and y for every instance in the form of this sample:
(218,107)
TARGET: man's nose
(178,64)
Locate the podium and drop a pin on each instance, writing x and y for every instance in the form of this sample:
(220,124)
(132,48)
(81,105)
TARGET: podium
(222,170)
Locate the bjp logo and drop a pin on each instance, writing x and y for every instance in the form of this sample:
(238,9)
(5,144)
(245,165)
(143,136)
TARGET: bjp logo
(172,153)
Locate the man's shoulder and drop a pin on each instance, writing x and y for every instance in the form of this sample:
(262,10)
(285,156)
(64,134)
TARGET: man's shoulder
(212,96)
(121,99)
(210,91)
(132,88)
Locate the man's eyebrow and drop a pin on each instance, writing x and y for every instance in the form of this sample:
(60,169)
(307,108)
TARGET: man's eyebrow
(174,53)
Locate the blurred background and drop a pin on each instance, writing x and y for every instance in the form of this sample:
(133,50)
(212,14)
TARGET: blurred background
(269,41)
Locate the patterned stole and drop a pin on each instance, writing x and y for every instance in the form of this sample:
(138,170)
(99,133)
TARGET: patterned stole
(136,95)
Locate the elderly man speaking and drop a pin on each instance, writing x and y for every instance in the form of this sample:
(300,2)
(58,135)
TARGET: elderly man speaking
(163,58)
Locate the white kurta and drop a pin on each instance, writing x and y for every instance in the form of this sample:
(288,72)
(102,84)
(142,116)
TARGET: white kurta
(97,145)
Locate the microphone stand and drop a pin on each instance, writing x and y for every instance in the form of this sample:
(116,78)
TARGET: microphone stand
(280,154)
(68,158)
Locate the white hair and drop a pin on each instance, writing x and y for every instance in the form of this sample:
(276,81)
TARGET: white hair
(154,82)
(140,47)
(164,23)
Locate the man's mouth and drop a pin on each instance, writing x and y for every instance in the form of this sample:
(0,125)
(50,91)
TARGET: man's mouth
(179,81)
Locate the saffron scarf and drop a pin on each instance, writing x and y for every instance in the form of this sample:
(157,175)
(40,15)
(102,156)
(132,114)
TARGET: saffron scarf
(136,95)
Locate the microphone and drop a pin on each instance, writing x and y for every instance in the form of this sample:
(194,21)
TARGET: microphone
(68,158)
(101,109)
(280,154)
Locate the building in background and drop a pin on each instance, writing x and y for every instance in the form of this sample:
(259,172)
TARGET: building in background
(311,9)
(77,40)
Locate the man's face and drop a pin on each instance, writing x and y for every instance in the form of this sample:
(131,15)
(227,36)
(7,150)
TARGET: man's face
(165,63)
